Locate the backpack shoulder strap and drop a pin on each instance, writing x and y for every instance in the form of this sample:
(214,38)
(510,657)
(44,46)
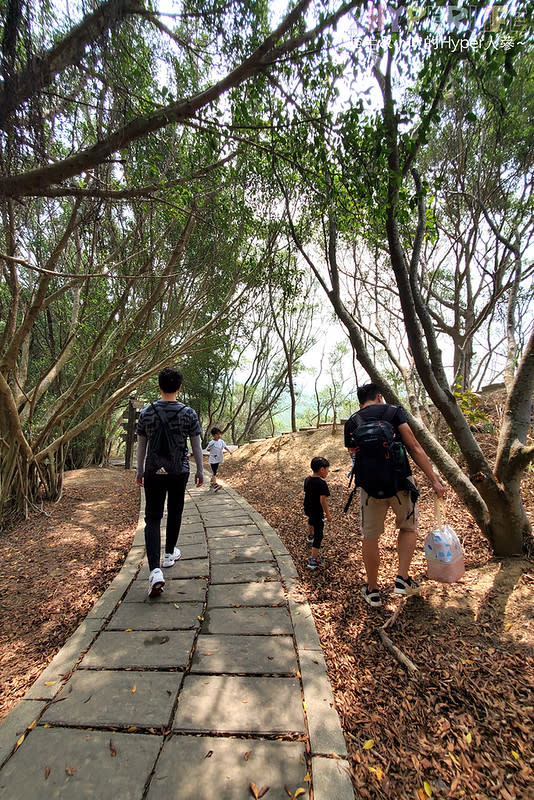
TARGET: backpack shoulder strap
(164,421)
(390,413)
(160,416)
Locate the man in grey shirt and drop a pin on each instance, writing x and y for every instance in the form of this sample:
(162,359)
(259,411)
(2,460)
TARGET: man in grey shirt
(180,422)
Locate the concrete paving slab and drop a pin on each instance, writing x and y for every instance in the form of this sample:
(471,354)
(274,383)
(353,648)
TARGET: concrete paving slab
(139,538)
(325,732)
(270,593)
(242,555)
(106,604)
(17,721)
(268,620)
(176,591)
(60,764)
(304,627)
(124,577)
(140,650)
(225,531)
(189,522)
(156,616)
(287,568)
(253,655)
(233,542)
(188,526)
(116,699)
(135,556)
(212,499)
(192,537)
(276,546)
(197,550)
(52,678)
(212,504)
(197,768)
(240,705)
(331,779)
(228,573)
(184,568)
(224,517)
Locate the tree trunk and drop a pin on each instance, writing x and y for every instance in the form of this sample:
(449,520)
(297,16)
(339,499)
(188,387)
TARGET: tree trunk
(24,483)
(496,507)
(508,528)
(293,399)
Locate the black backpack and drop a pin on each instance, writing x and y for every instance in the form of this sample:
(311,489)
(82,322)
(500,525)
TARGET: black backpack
(380,464)
(166,449)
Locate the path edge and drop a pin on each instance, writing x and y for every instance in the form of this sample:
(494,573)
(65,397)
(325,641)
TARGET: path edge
(329,755)
(26,714)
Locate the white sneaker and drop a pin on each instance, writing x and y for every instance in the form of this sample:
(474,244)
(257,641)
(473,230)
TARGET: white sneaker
(156,582)
(170,558)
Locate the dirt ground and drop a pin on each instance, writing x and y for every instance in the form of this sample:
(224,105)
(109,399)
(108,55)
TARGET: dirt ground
(55,565)
(459,727)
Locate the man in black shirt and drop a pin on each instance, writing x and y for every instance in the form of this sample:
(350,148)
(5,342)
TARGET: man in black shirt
(373,510)
(181,422)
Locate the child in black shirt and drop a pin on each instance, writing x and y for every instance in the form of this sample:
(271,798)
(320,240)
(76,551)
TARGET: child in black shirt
(316,506)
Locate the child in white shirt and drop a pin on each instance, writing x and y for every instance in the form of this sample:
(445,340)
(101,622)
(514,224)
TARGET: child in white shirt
(216,449)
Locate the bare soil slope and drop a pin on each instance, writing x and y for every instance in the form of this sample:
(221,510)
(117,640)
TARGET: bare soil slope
(461,727)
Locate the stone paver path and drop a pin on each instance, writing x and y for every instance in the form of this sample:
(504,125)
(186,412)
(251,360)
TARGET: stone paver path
(194,695)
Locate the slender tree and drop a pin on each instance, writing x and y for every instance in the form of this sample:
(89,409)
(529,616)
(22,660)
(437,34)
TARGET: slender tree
(374,187)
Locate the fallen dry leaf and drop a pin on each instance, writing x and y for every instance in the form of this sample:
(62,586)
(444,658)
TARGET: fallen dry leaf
(19,741)
(449,632)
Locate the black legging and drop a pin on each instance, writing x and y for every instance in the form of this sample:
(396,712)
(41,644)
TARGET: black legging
(318,529)
(157,487)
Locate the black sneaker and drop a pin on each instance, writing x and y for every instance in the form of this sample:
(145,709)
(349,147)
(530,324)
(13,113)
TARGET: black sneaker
(405,586)
(310,538)
(371,597)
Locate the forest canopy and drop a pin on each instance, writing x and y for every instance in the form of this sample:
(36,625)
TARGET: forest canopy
(192,182)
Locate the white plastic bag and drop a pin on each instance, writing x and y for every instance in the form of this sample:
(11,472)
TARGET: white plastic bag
(443,551)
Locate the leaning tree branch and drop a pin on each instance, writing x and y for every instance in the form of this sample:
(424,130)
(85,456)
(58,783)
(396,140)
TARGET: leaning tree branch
(149,192)
(44,67)
(267,54)
(178,112)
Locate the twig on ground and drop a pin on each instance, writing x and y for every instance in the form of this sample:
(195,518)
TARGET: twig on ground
(394,616)
(388,644)
(399,655)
